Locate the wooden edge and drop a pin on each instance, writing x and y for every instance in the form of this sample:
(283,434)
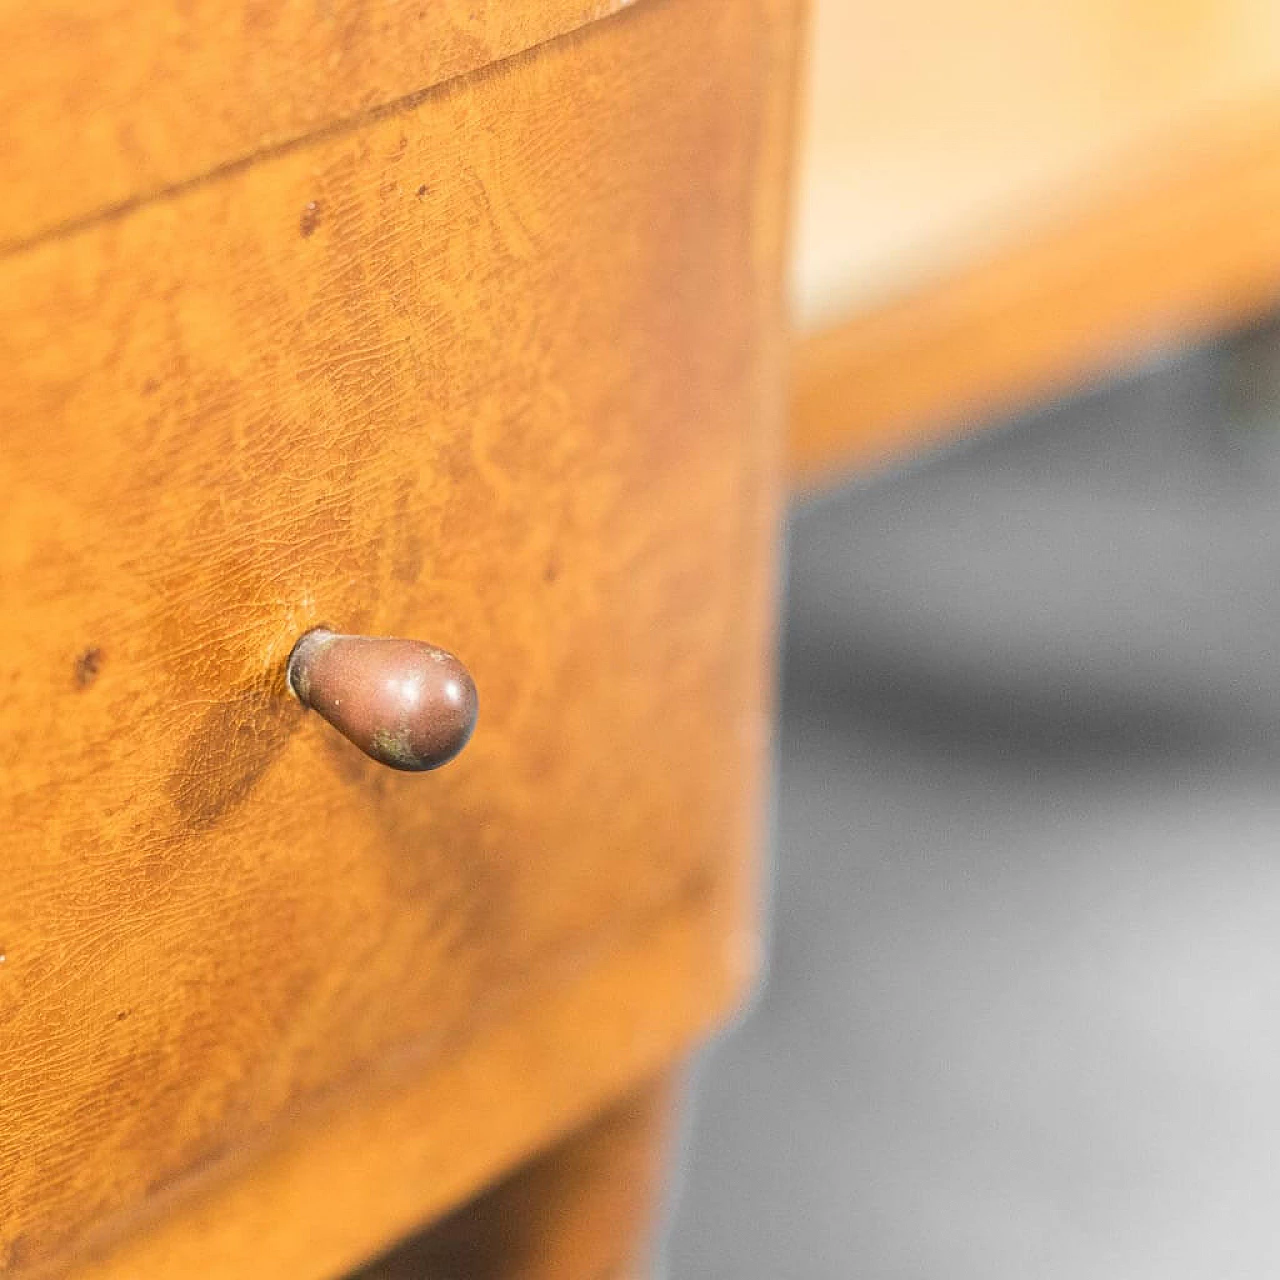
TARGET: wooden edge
(106,105)
(582,1210)
(1190,246)
(341,1189)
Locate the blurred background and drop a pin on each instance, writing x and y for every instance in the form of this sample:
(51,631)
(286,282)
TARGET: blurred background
(1020,1014)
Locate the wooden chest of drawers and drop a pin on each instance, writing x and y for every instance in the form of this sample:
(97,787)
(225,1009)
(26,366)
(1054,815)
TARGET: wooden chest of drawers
(481,345)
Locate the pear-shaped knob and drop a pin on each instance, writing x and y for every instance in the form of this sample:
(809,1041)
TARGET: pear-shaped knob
(405,704)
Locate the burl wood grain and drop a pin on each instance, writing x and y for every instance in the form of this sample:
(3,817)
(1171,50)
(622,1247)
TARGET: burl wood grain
(104,102)
(330,1193)
(584,1210)
(501,370)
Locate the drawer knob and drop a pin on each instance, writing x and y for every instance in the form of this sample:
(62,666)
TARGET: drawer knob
(405,704)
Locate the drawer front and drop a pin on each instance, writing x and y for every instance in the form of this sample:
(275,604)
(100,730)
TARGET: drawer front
(496,371)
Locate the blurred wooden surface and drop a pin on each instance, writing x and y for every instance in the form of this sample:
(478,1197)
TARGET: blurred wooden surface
(1182,251)
(109,102)
(997,197)
(583,1210)
(502,369)
(938,134)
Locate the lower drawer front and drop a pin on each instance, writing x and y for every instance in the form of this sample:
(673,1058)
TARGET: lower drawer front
(486,372)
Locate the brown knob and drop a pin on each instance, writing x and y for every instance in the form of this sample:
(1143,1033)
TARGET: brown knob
(403,703)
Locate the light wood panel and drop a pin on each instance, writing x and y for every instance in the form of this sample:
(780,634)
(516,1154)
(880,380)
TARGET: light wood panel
(1174,245)
(107,102)
(939,134)
(501,370)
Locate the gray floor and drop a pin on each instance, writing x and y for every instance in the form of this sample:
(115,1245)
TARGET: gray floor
(1022,1014)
